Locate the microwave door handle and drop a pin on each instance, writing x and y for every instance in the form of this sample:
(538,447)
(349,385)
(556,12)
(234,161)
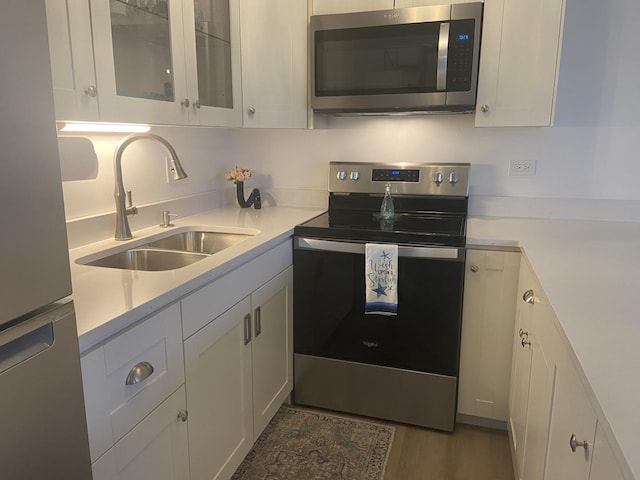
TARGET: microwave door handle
(443,54)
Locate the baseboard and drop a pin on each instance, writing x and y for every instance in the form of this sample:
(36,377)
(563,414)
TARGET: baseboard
(481,421)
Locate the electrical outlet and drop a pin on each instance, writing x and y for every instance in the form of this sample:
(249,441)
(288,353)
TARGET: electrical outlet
(522,168)
(169,170)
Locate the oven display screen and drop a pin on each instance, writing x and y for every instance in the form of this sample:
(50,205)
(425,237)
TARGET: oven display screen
(394,175)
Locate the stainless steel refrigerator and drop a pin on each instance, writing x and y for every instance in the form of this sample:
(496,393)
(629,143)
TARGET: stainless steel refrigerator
(43,433)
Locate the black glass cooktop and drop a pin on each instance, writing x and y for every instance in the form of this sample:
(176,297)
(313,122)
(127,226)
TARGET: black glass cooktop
(419,219)
(432,229)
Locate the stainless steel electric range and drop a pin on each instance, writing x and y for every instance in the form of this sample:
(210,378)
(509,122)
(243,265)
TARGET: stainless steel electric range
(401,367)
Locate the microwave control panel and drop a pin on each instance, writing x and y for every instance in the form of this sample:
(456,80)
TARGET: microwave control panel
(460,56)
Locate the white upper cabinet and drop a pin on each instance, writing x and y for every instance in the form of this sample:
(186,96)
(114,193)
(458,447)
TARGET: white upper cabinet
(71,50)
(140,73)
(168,62)
(274,63)
(426,3)
(519,59)
(212,51)
(323,7)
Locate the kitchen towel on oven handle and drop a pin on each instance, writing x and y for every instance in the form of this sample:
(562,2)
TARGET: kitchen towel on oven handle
(381,278)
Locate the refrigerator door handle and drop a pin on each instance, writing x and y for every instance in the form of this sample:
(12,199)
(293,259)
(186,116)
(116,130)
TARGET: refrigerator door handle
(15,350)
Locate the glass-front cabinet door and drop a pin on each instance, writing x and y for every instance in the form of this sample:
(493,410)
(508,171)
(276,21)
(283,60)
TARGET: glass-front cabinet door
(166,61)
(140,66)
(212,50)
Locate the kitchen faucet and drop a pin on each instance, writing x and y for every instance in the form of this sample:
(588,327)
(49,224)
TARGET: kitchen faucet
(124,204)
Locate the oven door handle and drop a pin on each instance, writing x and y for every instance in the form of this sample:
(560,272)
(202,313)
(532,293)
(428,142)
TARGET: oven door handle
(412,251)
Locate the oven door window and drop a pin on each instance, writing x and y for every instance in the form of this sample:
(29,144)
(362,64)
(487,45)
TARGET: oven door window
(329,301)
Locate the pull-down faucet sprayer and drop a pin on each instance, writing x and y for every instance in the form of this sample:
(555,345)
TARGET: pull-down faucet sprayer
(123,232)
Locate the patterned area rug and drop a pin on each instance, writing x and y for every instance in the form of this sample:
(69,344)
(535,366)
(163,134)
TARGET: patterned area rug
(301,444)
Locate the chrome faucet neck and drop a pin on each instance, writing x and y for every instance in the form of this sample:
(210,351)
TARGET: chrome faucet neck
(123,231)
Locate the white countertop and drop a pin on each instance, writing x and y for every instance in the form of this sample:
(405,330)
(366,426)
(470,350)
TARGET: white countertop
(588,269)
(590,272)
(108,300)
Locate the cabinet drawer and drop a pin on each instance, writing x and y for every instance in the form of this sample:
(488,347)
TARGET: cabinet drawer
(204,305)
(113,406)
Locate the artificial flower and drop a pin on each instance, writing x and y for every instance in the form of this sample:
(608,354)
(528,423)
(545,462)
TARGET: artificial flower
(238,174)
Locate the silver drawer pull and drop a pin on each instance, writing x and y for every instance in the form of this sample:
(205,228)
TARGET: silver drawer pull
(139,373)
(529,297)
(574,443)
(183,415)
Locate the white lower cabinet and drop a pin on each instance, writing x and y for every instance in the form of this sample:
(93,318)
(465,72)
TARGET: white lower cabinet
(238,373)
(554,427)
(490,285)
(540,399)
(533,377)
(155,449)
(272,348)
(573,426)
(604,465)
(130,375)
(218,370)
(520,369)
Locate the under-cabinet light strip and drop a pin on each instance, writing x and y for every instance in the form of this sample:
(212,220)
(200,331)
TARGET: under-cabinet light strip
(91,127)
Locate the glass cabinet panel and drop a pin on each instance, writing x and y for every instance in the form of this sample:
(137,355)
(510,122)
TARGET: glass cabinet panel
(142,49)
(213,53)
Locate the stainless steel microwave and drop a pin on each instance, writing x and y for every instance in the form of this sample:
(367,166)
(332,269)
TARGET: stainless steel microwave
(422,59)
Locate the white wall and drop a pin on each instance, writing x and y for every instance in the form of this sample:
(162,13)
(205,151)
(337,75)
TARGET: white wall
(593,151)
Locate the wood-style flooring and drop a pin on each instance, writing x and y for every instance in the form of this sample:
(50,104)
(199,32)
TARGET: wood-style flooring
(469,453)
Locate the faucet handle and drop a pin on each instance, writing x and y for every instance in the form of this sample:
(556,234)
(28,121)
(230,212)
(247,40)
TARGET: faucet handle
(166,219)
(131,210)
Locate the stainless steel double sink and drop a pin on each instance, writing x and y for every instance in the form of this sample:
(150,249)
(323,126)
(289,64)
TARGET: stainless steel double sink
(171,252)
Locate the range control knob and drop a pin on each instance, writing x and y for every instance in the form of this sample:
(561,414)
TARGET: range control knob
(438,178)
(355,175)
(342,175)
(453,178)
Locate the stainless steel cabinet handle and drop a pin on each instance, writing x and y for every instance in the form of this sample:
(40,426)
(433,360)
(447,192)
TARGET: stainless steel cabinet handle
(185,103)
(196,104)
(252,110)
(474,268)
(484,108)
(247,328)
(91,91)
(525,342)
(183,415)
(574,443)
(529,297)
(522,333)
(257,321)
(139,373)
